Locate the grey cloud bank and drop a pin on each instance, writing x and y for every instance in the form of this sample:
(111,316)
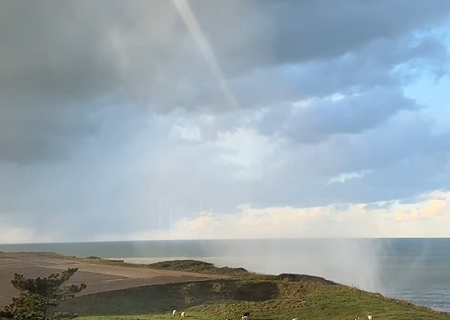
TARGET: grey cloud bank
(107,107)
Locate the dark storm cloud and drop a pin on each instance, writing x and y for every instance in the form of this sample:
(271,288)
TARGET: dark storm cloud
(60,56)
(108,108)
(350,115)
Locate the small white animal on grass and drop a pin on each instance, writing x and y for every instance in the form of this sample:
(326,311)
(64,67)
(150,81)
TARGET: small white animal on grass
(244,318)
(370,317)
(174,312)
(183,314)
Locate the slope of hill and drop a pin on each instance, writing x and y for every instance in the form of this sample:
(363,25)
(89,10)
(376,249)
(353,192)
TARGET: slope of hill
(284,296)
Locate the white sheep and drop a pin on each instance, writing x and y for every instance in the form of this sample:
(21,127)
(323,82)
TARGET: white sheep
(183,314)
(370,317)
(174,312)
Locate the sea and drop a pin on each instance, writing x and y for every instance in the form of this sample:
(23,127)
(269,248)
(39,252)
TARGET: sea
(417,270)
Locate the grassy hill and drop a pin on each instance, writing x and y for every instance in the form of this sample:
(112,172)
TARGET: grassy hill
(267,297)
(200,267)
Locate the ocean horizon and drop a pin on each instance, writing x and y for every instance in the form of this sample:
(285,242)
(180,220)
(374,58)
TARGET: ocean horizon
(413,269)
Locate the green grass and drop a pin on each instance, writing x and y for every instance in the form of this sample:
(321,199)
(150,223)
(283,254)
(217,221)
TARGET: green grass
(200,267)
(267,297)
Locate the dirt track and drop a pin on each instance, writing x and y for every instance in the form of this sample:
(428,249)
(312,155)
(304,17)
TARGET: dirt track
(97,277)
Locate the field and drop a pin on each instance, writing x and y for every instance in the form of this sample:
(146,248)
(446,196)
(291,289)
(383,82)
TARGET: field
(99,276)
(206,292)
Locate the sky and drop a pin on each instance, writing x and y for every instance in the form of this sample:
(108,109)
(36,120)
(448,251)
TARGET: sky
(134,120)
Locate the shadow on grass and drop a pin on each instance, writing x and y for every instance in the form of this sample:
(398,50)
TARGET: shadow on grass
(162,299)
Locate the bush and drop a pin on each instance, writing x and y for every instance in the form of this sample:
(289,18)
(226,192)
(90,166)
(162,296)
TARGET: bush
(38,298)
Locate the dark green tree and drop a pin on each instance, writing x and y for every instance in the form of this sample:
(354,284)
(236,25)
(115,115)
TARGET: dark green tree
(38,298)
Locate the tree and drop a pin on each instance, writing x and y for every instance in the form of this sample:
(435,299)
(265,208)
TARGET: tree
(38,298)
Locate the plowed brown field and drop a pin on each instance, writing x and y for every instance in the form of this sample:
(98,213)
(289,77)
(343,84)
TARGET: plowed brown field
(97,277)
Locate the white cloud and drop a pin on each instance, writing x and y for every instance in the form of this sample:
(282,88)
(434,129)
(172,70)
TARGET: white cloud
(427,218)
(11,233)
(350,175)
(252,154)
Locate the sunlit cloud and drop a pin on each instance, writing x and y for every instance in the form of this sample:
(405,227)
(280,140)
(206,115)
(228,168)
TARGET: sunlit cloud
(427,218)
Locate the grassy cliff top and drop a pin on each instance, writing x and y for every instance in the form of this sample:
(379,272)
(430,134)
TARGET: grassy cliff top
(267,297)
(277,297)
